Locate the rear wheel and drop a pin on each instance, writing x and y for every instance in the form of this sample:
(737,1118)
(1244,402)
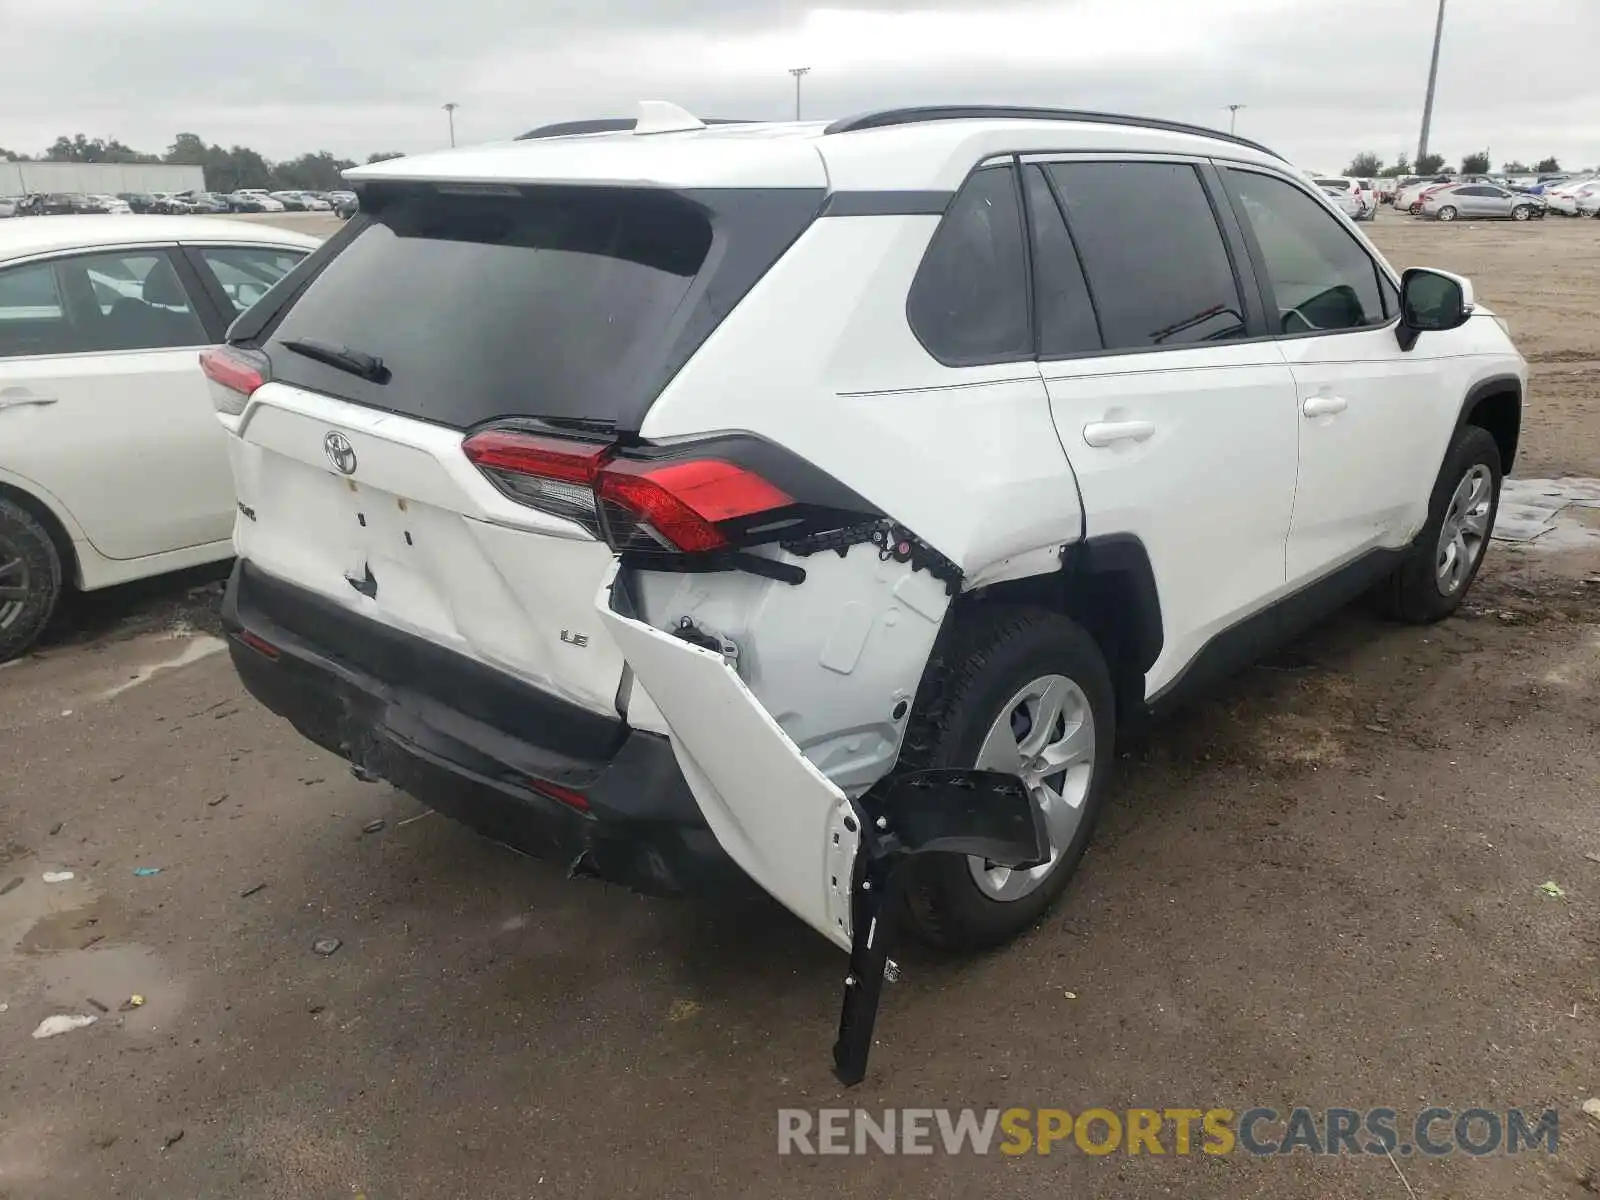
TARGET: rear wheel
(1444,559)
(1447,213)
(1028,693)
(30,579)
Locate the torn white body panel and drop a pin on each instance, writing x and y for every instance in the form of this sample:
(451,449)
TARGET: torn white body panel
(777,816)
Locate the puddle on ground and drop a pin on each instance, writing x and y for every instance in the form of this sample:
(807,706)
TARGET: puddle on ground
(203,646)
(1549,514)
(63,944)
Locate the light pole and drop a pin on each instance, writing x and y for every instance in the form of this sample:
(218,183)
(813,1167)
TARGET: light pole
(1233,115)
(1433,78)
(799,73)
(450,114)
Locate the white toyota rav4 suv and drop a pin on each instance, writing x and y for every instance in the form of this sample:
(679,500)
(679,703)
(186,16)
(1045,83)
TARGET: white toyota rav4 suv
(810,504)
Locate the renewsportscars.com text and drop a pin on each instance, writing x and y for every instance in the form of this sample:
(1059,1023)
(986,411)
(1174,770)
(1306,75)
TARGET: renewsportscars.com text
(1432,1132)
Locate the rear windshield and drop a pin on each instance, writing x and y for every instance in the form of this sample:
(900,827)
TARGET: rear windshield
(557,304)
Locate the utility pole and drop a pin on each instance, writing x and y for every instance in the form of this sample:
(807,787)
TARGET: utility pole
(450,114)
(1233,115)
(799,73)
(1433,78)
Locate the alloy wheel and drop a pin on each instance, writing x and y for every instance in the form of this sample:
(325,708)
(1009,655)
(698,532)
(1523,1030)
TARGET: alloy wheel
(1465,530)
(15,582)
(1045,734)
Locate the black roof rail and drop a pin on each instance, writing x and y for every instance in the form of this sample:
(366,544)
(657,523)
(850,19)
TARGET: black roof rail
(1002,112)
(605,125)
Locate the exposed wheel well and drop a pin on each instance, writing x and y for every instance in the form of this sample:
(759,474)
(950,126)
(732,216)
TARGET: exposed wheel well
(1499,412)
(1107,586)
(46,518)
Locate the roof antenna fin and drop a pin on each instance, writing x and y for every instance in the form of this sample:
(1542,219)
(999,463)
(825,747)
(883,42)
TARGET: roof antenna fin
(661,116)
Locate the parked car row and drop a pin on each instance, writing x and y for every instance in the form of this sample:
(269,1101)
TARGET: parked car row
(1453,197)
(245,200)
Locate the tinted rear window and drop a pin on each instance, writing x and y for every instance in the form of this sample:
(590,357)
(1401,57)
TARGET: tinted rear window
(555,305)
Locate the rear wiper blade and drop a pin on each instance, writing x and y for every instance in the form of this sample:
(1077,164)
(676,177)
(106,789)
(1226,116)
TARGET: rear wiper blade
(356,362)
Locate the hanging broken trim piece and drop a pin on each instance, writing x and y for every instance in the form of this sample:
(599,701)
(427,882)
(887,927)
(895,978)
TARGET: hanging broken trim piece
(985,814)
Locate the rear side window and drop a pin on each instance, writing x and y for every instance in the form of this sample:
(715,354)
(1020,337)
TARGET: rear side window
(1152,251)
(969,301)
(555,304)
(1321,277)
(245,273)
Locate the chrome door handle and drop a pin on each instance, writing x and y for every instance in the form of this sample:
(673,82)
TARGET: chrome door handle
(1104,433)
(1324,406)
(16,397)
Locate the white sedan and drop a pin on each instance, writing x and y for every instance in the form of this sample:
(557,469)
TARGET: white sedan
(112,464)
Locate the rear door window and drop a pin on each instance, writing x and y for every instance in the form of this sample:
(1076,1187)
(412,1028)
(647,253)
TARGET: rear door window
(138,301)
(968,304)
(557,304)
(1152,251)
(1065,312)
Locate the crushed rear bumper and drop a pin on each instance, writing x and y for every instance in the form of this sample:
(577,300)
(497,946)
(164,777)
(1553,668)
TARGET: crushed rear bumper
(517,765)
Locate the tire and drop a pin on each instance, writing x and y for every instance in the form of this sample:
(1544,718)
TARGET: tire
(30,579)
(1447,213)
(989,670)
(1422,590)
(1521,212)
(1415,208)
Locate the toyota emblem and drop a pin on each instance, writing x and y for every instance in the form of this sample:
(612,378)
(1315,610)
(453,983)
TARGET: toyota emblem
(340,453)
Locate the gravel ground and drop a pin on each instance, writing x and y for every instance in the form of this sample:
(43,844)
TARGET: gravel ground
(1320,887)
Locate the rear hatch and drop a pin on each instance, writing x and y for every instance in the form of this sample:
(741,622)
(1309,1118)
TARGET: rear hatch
(444,313)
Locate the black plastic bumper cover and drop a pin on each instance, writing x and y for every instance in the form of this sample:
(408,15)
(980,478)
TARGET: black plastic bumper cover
(475,744)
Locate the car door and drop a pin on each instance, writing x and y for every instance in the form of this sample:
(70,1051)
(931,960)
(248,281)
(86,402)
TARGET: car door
(1496,201)
(102,402)
(1177,414)
(1364,421)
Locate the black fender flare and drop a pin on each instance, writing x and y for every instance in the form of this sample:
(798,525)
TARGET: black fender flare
(1494,385)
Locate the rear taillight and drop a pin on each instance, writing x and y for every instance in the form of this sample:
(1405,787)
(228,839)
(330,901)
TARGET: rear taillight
(551,474)
(680,504)
(232,375)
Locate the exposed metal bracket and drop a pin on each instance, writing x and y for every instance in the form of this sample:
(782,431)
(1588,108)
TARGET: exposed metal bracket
(984,813)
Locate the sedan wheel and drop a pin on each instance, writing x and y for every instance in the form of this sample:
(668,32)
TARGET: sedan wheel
(30,579)
(16,582)
(1521,213)
(1447,213)
(1045,734)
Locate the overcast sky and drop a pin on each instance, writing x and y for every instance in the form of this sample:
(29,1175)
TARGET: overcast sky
(1321,79)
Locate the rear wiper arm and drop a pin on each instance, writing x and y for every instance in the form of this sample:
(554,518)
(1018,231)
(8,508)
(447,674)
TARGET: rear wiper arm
(356,362)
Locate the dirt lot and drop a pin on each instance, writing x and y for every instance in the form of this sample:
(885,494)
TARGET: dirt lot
(1322,887)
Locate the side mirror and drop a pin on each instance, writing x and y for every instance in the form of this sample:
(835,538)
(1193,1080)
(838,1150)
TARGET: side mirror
(1431,302)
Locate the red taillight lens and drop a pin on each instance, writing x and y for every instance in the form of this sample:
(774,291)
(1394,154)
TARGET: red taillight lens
(683,502)
(672,505)
(531,454)
(560,794)
(233,375)
(551,474)
(257,643)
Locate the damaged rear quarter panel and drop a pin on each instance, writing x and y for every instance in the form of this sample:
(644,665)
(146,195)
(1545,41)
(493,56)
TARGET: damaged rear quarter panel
(835,660)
